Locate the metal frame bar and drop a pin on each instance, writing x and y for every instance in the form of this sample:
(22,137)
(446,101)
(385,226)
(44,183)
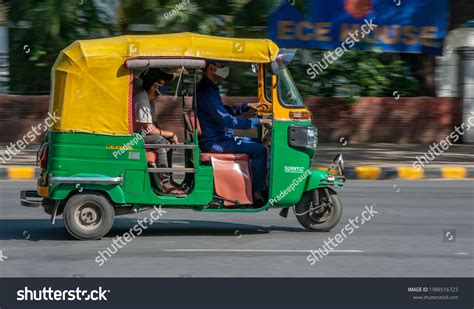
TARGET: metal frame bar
(87,180)
(143,62)
(194,103)
(171,170)
(30,198)
(173,146)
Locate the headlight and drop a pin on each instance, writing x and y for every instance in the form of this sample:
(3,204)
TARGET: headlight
(312,141)
(303,136)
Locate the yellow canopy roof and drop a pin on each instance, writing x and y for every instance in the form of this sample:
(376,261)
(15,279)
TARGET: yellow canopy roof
(91,87)
(177,45)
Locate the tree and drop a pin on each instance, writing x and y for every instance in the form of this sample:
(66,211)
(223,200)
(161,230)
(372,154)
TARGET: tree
(354,74)
(40,29)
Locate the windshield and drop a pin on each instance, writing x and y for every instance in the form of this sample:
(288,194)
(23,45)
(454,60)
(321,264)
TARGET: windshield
(287,91)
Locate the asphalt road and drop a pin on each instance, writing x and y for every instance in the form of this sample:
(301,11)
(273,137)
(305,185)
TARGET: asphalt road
(405,239)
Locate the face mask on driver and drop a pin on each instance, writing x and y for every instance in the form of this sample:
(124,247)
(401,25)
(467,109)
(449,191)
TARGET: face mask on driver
(222,72)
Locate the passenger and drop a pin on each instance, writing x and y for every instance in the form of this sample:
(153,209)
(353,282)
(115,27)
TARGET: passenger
(154,82)
(217,121)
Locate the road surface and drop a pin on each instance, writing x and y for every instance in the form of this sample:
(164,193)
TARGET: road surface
(422,228)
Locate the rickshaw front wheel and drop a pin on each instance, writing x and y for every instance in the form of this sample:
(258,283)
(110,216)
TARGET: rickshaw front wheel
(88,216)
(319,216)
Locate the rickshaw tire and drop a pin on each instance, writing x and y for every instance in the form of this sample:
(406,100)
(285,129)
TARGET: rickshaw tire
(303,217)
(107,215)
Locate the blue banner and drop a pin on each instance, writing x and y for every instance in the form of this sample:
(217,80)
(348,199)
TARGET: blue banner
(410,26)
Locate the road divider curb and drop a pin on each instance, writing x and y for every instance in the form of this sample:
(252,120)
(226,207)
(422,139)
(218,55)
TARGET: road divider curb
(352,172)
(368,172)
(454,172)
(408,173)
(19,173)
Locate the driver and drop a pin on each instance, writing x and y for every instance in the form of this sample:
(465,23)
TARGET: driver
(217,121)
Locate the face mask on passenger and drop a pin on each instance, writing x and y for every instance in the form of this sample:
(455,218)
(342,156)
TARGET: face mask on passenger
(222,72)
(161,89)
(164,89)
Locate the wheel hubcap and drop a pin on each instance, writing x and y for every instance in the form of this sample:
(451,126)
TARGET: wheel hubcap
(322,212)
(88,215)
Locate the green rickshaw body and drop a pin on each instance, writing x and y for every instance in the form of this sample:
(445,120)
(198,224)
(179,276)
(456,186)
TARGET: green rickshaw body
(92,147)
(76,155)
(289,167)
(94,167)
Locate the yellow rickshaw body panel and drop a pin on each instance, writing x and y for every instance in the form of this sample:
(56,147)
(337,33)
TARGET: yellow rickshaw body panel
(91,87)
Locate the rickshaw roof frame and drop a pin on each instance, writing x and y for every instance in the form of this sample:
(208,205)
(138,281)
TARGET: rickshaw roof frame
(176,45)
(91,87)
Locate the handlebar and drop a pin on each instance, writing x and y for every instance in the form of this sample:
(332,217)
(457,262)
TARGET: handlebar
(264,110)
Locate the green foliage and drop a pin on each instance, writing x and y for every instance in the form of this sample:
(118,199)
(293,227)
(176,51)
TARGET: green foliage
(41,28)
(354,74)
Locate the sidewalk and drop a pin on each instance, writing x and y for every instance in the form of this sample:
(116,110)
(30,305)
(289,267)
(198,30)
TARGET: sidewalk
(395,161)
(362,161)
(394,154)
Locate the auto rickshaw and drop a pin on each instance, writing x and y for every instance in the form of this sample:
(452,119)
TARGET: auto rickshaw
(85,180)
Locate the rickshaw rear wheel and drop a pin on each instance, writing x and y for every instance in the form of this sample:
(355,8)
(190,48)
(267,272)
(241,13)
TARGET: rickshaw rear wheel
(88,215)
(322,216)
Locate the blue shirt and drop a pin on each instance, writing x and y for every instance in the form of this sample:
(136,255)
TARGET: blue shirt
(216,119)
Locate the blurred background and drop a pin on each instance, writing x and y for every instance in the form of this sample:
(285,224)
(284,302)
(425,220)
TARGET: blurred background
(382,104)
(384,90)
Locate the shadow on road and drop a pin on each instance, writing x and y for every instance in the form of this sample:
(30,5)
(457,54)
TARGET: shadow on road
(42,229)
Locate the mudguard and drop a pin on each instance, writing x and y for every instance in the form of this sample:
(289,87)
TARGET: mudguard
(61,191)
(321,179)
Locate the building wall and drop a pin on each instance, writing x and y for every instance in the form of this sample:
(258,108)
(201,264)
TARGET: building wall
(406,120)
(4,62)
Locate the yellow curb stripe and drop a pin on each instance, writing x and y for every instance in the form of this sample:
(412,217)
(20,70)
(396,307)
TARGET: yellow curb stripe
(410,173)
(454,172)
(368,172)
(21,173)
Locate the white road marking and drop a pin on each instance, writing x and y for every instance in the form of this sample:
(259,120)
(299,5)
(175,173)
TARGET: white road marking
(3,258)
(255,250)
(462,253)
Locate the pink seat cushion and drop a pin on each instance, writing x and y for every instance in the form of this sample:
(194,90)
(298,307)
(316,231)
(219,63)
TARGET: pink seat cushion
(150,156)
(206,156)
(232,176)
(191,120)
